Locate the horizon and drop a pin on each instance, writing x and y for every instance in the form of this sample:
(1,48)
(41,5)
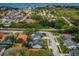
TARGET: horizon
(25,5)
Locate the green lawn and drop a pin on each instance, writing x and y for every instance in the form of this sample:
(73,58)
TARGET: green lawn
(47,43)
(64,49)
(54,32)
(59,39)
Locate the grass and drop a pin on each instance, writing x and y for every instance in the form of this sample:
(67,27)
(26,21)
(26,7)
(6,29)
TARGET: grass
(43,52)
(59,39)
(64,49)
(47,43)
(54,33)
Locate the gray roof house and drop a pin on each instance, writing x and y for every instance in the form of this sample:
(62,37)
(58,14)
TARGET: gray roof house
(5,44)
(37,41)
(37,46)
(74,52)
(7,23)
(69,44)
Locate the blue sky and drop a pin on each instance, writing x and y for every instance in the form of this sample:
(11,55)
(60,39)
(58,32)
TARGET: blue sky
(23,5)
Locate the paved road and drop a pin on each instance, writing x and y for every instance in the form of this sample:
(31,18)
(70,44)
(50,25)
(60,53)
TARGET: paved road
(22,29)
(70,24)
(53,43)
(10,31)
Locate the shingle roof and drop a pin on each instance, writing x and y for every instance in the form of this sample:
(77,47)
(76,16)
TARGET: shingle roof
(23,36)
(37,41)
(1,35)
(69,43)
(74,52)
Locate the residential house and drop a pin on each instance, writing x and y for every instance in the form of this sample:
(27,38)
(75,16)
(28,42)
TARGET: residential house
(5,44)
(7,22)
(17,45)
(37,41)
(74,52)
(22,36)
(1,36)
(68,42)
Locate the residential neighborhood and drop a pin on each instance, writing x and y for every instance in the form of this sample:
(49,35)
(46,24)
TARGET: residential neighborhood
(39,31)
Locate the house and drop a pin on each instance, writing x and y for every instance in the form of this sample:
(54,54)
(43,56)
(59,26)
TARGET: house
(69,44)
(74,52)
(37,46)
(67,36)
(37,36)
(7,23)
(23,36)
(5,44)
(37,41)
(17,45)
(1,35)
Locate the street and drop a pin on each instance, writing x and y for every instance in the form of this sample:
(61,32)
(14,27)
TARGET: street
(53,44)
(55,49)
(70,24)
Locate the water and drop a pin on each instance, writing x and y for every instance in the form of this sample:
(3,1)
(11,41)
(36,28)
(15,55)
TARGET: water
(25,5)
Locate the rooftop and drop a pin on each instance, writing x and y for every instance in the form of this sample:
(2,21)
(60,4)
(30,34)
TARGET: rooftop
(1,35)
(23,36)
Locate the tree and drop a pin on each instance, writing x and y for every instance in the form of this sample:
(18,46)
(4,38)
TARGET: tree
(16,52)
(11,38)
(58,25)
(30,31)
(76,37)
